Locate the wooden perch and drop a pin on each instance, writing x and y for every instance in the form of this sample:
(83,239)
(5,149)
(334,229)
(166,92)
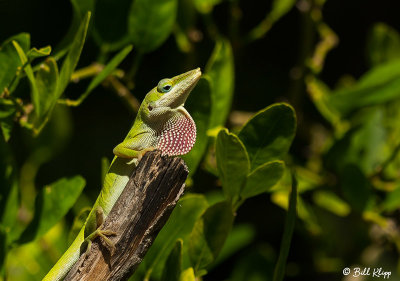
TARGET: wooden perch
(141,211)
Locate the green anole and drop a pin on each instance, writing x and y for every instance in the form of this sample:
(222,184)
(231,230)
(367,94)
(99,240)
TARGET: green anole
(161,123)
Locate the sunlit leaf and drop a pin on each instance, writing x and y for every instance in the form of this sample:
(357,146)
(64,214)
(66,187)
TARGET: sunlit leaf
(188,275)
(320,95)
(29,73)
(281,7)
(173,265)
(268,135)
(232,163)
(37,53)
(107,70)
(151,22)
(46,82)
(73,55)
(209,234)
(263,178)
(199,106)
(220,68)
(331,202)
(51,204)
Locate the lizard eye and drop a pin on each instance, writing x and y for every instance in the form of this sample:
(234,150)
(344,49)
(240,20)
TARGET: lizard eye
(164,86)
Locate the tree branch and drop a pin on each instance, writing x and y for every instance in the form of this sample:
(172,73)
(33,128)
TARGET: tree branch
(138,215)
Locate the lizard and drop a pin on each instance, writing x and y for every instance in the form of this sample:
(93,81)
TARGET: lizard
(161,123)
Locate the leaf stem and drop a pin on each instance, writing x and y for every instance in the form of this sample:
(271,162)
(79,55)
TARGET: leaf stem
(279,271)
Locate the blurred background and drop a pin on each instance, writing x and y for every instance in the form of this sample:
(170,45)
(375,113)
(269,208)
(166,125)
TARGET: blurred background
(336,62)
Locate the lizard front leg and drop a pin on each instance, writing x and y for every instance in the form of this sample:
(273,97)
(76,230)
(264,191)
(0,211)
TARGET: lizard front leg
(92,230)
(126,150)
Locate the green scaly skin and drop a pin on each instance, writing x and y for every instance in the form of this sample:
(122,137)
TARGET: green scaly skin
(161,123)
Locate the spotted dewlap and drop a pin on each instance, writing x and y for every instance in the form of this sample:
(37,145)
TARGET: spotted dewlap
(178,135)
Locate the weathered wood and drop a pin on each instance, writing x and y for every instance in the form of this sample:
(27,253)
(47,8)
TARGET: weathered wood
(139,214)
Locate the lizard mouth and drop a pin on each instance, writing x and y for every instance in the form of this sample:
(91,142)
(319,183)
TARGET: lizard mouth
(184,84)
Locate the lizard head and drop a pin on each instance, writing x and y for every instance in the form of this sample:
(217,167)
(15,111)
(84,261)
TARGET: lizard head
(169,95)
(163,111)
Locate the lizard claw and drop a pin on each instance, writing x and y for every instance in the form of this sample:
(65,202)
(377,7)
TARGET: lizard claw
(103,233)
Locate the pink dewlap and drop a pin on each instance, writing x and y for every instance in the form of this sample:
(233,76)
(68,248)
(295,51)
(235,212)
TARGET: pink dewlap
(178,136)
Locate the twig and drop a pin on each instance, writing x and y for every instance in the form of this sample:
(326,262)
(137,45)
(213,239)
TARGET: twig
(138,215)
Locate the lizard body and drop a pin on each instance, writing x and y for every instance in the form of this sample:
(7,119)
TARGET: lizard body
(161,123)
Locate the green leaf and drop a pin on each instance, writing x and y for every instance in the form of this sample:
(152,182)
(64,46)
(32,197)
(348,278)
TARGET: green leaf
(9,59)
(392,200)
(188,275)
(199,106)
(383,44)
(46,82)
(280,8)
(220,69)
(279,272)
(72,58)
(49,76)
(381,84)
(6,126)
(37,53)
(151,22)
(263,178)
(363,145)
(232,163)
(29,73)
(80,9)
(331,202)
(240,237)
(209,234)
(7,113)
(173,265)
(320,96)
(107,70)
(83,6)
(51,204)
(179,225)
(268,135)
(9,192)
(105,164)
(355,186)
(206,6)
